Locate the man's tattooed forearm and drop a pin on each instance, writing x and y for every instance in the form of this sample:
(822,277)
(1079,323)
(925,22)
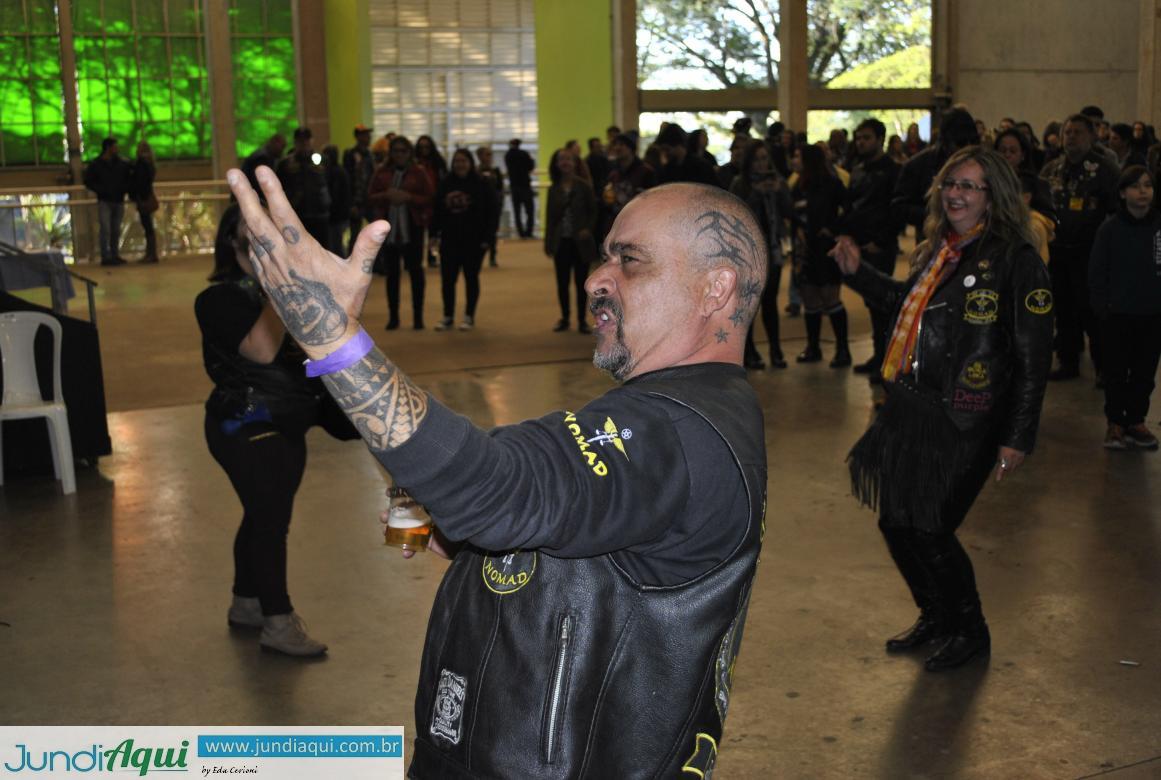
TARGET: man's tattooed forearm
(290,234)
(384,405)
(309,310)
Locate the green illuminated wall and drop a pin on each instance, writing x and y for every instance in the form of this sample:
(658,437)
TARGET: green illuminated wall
(141,74)
(31,103)
(574,82)
(348,45)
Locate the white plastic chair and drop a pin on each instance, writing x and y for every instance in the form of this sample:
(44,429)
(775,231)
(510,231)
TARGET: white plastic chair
(22,391)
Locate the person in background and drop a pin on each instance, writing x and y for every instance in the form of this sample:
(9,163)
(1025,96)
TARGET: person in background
(520,165)
(767,194)
(1042,226)
(141,191)
(359,163)
(986,135)
(913,144)
(268,154)
(570,220)
(1100,129)
(256,420)
(494,178)
(1125,289)
(1121,142)
(965,374)
(108,177)
(598,163)
(698,146)
(431,162)
(463,206)
(779,151)
(819,201)
(1036,154)
(868,221)
(895,149)
(728,172)
(340,188)
(957,129)
(1051,136)
(611,132)
(1013,146)
(1083,183)
(680,165)
(304,179)
(401,193)
(628,177)
(838,148)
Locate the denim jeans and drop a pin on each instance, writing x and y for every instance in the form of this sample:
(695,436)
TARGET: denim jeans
(109,216)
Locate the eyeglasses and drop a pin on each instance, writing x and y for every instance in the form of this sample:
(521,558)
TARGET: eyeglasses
(964,185)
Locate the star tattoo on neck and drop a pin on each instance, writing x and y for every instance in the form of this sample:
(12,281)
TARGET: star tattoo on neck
(722,335)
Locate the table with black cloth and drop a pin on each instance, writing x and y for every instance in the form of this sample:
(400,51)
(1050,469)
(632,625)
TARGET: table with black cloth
(26,444)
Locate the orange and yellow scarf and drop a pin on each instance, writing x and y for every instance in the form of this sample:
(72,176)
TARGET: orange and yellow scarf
(901,349)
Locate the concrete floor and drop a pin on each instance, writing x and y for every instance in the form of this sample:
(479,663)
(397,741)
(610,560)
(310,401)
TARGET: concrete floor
(112,600)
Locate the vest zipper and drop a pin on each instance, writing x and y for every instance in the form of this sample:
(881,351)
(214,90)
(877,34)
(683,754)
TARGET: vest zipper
(558,675)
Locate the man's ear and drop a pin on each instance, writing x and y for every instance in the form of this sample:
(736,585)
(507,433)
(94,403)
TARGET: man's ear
(720,286)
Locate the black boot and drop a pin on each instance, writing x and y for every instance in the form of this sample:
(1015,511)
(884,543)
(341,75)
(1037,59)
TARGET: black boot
(842,352)
(812,353)
(932,622)
(951,570)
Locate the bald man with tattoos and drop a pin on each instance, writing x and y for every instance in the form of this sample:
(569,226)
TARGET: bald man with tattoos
(589,622)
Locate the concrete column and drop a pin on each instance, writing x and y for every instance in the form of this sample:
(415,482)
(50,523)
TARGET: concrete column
(348,53)
(82,218)
(1149,59)
(575,93)
(310,46)
(626,100)
(220,77)
(792,75)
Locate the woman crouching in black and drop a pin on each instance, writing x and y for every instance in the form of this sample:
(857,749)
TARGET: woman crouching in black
(256,421)
(965,373)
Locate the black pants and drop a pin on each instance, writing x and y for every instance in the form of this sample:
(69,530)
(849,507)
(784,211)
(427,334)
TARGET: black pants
(265,466)
(935,566)
(356,224)
(1132,348)
(389,258)
(880,319)
(150,233)
(769,312)
(570,264)
(1074,315)
(523,210)
(452,260)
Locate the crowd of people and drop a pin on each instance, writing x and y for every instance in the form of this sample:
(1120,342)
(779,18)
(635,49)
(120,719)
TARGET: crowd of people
(1022,249)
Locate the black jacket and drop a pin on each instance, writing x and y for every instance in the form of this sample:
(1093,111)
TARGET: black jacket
(1083,194)
(108,178)
(581,205)
(869,218)
(559,659)
(305,183)
(1124,274)
(520,166)
(465,223)
(141,180)
(985,339)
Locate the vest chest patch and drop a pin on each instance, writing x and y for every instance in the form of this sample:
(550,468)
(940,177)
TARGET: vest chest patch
(982,307)
(509,573)
(447,715)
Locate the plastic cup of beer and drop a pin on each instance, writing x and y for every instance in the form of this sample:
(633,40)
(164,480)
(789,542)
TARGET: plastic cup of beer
(408,523)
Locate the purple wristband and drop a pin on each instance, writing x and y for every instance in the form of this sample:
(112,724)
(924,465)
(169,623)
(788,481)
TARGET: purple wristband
(350,353)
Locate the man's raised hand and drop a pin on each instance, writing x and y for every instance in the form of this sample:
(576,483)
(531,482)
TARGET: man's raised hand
(319,295)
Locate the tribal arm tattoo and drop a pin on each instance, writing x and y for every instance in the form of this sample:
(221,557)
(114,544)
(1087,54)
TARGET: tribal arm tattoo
(384,405)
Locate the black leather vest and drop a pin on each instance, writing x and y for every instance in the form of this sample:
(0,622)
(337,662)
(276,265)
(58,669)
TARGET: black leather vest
(537,667)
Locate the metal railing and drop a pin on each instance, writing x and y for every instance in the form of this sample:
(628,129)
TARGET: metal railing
(65,219)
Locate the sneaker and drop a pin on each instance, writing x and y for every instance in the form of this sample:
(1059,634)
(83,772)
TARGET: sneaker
(244,613)
(1140,438)
(468,323)
(444,324)
(1115,438)
(287,634)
